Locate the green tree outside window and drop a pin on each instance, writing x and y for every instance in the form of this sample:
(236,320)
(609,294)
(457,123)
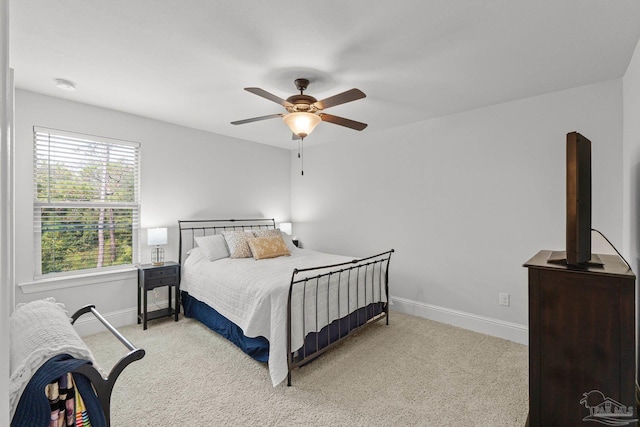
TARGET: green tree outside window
(86,201)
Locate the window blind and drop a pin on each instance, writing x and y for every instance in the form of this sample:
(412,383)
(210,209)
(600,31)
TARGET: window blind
(86,202)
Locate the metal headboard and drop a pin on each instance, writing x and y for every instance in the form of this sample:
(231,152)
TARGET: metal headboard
(190,229)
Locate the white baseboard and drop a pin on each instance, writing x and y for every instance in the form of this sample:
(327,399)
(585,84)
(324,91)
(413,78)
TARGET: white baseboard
(88,324)
(486,325)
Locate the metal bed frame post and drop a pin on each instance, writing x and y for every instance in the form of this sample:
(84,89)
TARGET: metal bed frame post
(386,286)
(289,349)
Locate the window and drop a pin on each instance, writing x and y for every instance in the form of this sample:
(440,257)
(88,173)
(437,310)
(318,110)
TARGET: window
(86,202)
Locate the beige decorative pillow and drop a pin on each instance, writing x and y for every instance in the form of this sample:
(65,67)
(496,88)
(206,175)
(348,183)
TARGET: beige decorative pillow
(270,232)
(268,247)
(275,233)
(237,243)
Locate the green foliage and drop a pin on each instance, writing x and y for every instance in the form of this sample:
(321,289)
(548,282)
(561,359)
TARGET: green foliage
(81,201)
(70,239)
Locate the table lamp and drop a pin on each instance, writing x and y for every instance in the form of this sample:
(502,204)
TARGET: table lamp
(157,237)
(285,227)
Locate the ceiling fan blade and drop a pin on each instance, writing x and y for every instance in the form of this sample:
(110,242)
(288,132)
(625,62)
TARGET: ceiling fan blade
(341,98)
(271,97)
(256,119)
(342,121)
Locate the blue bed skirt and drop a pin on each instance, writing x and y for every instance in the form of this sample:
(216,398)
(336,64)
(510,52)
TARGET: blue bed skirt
(258,348)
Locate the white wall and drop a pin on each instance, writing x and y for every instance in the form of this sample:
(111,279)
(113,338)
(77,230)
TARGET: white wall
(185,174)
(631,158)
(465,200)
(5,257)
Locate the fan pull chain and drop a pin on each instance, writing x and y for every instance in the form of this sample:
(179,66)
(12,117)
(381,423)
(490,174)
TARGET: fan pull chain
(301,155)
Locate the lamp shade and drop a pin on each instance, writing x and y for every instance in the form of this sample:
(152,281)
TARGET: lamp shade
(302,124)
(285,227)
(157,236)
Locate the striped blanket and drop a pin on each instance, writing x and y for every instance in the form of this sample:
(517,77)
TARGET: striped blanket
(67,406)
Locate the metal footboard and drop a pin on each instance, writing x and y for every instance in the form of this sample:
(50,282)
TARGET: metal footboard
(365,277)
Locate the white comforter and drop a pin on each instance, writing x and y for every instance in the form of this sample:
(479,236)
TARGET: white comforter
(253,294)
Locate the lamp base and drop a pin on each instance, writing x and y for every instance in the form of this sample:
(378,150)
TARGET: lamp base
(157,256)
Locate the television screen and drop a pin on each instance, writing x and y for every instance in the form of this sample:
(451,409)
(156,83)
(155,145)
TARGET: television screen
(578,199)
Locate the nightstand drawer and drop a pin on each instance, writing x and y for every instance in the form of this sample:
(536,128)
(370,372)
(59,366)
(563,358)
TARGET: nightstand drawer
(161,281)
(162,272)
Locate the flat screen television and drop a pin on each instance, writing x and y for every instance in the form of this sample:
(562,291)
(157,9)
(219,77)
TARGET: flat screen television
(578,199)
(578,225)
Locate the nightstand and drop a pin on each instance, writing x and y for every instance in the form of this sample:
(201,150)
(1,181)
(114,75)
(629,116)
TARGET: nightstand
(154,276)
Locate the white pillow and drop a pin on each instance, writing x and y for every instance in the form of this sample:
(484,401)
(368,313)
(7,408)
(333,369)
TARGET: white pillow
(213,246)
(289,242)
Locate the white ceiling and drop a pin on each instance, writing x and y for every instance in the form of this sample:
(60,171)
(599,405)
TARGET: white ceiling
(187,61)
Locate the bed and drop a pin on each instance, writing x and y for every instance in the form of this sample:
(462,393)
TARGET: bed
(285,310)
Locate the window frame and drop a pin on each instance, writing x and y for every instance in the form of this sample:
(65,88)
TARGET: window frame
(134,206)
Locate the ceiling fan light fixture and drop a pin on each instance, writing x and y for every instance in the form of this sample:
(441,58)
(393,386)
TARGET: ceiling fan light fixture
(301,123)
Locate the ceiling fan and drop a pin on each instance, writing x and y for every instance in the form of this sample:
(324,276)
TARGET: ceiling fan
(304,112)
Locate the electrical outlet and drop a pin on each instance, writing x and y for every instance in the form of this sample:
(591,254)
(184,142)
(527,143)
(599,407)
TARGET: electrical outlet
(503,298)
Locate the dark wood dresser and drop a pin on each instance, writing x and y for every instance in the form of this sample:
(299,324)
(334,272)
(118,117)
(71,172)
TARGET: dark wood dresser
(582,346)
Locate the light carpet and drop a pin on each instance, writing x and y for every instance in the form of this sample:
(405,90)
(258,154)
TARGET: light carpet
(413,372)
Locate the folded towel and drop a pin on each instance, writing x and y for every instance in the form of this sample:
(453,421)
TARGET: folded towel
(39,330)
